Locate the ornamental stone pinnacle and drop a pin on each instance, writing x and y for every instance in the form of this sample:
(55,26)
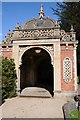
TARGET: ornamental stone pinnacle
(41,13)
(72,29)
(17,26)
(8,32)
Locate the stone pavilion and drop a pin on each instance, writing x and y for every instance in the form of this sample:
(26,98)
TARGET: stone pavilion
(44,54)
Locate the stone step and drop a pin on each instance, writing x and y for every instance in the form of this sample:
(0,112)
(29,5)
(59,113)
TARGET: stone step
(35,92)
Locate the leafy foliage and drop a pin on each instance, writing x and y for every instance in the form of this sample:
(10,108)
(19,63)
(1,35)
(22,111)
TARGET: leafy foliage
(69,14)
(8,78)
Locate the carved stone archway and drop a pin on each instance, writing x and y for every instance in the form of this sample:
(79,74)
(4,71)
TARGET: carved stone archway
(43,64)
(48,49)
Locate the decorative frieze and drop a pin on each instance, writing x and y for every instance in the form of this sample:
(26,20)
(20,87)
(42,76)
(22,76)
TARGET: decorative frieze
(44,33)
(32,34)
(65,37)
(36,34)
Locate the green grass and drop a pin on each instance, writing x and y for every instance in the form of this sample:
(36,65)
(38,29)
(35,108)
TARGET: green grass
(75,115)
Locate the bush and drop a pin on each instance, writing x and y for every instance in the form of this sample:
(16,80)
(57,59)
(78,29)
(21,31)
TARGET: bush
(8,78)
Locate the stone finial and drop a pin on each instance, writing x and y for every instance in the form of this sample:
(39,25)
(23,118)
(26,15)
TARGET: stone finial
(73,34)
(17,26)
(57,24)
(41,13)
(9,32)
(72,29)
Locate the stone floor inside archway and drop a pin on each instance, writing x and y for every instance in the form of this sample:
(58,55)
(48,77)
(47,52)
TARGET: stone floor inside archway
(35,92)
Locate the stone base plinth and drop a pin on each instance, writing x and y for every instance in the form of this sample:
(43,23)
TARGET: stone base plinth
(65,93)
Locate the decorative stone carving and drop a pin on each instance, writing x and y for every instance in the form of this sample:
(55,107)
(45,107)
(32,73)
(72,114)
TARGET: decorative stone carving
(63,33)
(51,32)
(8,39)
(15,34)
(67,70)
(65,37)
(21,34)
(44,33)
(49,49)
(31,34)
(57,32)
(35,33)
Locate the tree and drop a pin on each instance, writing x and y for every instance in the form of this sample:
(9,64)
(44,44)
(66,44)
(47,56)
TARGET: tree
(69,14)
(8,78)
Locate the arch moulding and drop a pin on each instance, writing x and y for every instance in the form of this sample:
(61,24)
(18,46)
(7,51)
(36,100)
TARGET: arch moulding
(48,49)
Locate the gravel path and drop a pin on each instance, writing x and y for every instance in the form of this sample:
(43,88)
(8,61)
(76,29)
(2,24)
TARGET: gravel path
(28,107)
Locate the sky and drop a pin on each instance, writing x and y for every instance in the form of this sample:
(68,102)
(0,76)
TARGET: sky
(13,12)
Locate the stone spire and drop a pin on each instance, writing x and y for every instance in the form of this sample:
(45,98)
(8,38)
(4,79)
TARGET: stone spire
(41,13)
(17,26)
(72,29)
(8,32)
(8,39)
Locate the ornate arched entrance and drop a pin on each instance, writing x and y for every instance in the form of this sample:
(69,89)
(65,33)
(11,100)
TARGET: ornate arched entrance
(36,69)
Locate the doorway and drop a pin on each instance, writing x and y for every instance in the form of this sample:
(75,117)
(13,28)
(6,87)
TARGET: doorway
(36,70)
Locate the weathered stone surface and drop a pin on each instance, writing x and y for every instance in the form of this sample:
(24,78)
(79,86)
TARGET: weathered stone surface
(67,108)
(31,107)
(79,89)
(35,91)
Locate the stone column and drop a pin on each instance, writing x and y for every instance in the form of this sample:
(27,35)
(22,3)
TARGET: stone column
(18,82)
(52,63)
(75,68)
(16,60)
(57,71)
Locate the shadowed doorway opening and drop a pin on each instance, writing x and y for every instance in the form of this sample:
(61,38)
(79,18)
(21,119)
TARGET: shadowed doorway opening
(36,70)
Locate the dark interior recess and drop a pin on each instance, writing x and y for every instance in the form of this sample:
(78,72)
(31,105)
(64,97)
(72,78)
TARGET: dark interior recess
(36,70)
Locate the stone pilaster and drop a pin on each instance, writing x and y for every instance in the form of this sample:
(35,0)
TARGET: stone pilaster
(75,68)
(16,59)
(57,72)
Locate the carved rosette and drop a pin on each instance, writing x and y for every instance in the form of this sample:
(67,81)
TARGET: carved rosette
(35,33)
